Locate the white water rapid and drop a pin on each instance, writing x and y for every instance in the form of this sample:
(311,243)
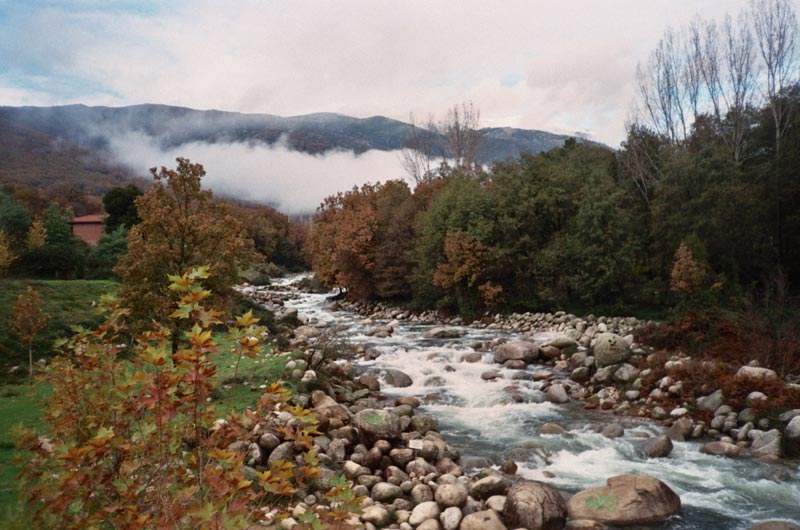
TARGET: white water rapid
(483,419)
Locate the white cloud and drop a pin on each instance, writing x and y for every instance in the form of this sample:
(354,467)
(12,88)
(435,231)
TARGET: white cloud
(291,181)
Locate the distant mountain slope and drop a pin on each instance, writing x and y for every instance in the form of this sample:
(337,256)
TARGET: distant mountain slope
(91,128)
(50,163)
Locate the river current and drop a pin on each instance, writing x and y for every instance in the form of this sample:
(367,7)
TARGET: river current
(482,419)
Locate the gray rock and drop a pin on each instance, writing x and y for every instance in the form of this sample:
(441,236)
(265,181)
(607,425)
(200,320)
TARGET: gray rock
(443,333)
(534,505)
(721,449)
(626,373)
(609,349)
(488,486)
(551,428)
(754,399)
(658,447)
(451,518)
(377,424)
(386,492)
(430,524)
(421,493)
(712,401)
(517,350)
(680,430)
(423,423)
(485,520)
(626,500)
(580,374)
(448,495)
(283,452)
(754,372)
(613,430)
(767,444)
(556,394)
(397,378)
(376,514)
(424,511)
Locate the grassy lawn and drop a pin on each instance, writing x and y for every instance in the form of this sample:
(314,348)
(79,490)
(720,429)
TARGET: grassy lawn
(67,302)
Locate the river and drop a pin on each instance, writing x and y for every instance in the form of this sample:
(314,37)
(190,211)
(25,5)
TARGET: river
(482,420)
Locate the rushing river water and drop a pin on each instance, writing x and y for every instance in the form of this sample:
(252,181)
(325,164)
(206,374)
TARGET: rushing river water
(482,420)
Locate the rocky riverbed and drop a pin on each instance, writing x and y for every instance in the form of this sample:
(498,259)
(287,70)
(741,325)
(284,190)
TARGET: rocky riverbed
(572,423)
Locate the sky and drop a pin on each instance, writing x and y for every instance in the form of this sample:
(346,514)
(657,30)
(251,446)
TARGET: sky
(559,66)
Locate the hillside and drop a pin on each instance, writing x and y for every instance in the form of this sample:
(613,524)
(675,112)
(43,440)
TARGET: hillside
(92,127)
(50,162)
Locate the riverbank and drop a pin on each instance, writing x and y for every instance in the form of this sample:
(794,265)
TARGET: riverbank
(531,374)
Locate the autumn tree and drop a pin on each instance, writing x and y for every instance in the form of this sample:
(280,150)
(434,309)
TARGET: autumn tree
(181,227)
(27,320)
(7,255)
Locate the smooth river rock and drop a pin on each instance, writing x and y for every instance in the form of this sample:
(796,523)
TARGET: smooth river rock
(610,348)
(534,505)
(626,500)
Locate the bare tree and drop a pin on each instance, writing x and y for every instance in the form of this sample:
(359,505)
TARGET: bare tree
(461,136)
(456,138)
(419,156)
(740,76)
(775,25)
(662,87)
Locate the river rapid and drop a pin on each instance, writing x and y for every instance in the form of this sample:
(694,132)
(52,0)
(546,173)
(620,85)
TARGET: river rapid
(483,420)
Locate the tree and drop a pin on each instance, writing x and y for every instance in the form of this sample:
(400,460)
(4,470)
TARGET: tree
(37,235)
(105,256)
(181,227)
(419,156)
(26,321)
(120,206)
(14,218)
(7,255)
(62,255)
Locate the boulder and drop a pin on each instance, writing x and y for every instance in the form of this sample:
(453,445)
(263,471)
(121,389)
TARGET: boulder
(376,515)
(711,402)
(397,378)
(680,430)
(424,511)
(610,348)
(551,428)
(451,518)
(517,350)
(443,333)
(534,505)
(626,500)
(486,520)
(448,495)
(556,394)
(489,486)
(791,436)
(658,447)
(613,430)
(755,372)
(377,424)
(721,449)
(386,492)
(767,444)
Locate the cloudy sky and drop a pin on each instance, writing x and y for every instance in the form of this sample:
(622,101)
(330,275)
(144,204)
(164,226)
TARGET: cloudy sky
(552,65)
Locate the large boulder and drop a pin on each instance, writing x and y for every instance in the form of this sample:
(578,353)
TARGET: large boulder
(534,505)
(721,449)
(791,436)
(626,500)
(377,424)
(658,447)
(556,394)
(517,350)
(397,378)
(610,348)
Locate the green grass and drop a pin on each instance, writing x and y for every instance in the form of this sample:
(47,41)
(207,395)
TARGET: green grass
(67,302)
(19,404)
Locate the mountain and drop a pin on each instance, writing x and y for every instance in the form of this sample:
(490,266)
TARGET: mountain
(91,128)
